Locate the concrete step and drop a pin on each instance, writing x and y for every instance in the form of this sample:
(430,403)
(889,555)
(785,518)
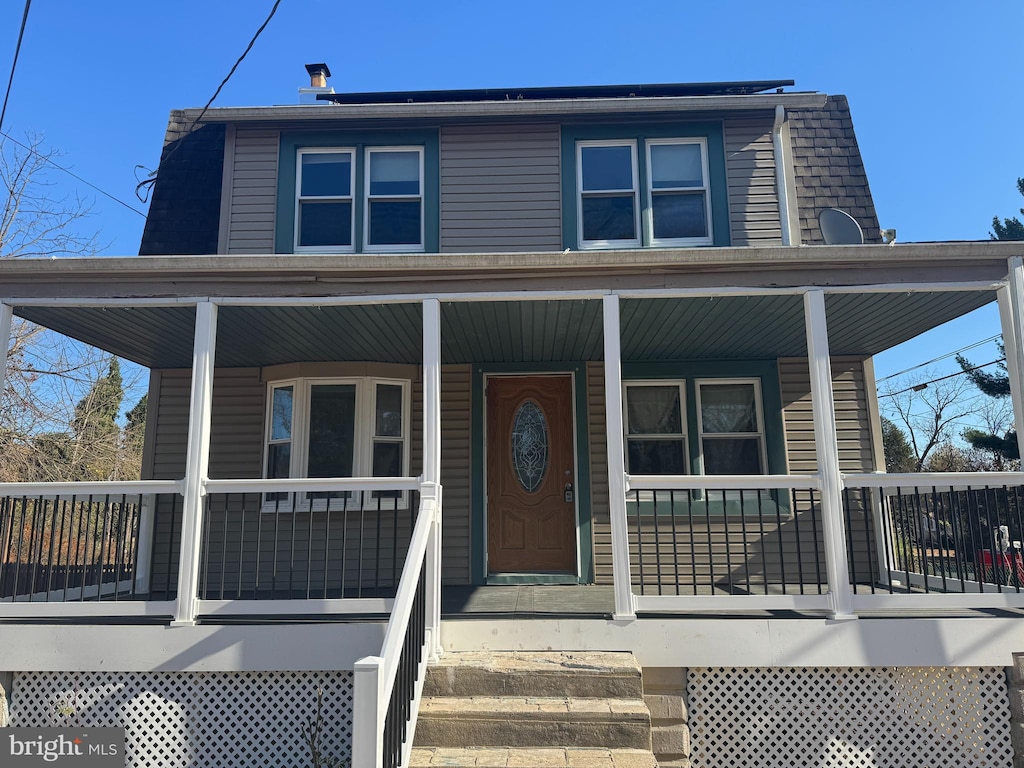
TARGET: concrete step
(491,757)
(520,673)
(526,721)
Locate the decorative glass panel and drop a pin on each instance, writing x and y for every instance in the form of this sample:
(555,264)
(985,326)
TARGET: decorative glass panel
(529,445)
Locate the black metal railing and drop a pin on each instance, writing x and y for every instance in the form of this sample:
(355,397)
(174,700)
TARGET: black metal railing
(399,712)
(70,548)
(294,546)
(718,542)
(942,539)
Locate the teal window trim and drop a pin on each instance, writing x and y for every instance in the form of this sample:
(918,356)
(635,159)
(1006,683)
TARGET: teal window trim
(710,130)
(360,141)
(767,372)
(478,571)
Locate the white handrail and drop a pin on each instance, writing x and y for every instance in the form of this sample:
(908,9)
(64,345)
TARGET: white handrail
(930,479)
(131,487)
(375,675)
(311,484)
(720,482)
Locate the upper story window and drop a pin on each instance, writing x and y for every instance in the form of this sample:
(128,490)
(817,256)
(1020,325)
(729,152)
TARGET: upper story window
(358,192)
(351,427)
(636,186)
(394,199)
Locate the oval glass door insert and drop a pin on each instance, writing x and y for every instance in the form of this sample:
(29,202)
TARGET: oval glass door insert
(529,445)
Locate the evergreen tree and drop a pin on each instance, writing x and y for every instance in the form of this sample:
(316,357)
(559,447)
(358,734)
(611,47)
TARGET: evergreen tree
(899,456)
(1001,447)
(1011,228)
(97,435)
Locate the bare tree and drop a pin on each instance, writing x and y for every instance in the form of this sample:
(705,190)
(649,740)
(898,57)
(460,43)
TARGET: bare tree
(928,409)
(47,401)
(34,221)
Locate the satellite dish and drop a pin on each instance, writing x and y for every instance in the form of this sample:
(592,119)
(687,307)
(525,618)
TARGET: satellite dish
(839,228)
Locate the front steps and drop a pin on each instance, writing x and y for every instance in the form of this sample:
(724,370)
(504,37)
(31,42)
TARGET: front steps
(499,710)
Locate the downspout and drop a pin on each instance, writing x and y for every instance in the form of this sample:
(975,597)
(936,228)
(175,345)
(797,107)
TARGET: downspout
(780,173)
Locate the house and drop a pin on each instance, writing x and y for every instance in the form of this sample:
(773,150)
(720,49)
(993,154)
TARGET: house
(560,369)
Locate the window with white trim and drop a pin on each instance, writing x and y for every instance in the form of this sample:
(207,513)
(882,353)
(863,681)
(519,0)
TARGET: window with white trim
(337,427)
(655,423)
(676,203)
(325,181)
(388,207)
(394,199)
(730,426)
(677,192)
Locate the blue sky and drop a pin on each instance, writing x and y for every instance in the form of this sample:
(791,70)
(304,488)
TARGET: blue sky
(935,87)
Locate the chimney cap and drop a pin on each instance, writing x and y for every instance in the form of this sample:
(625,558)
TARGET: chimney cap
(315,69)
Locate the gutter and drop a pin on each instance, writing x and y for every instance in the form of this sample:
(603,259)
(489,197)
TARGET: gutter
(512,108)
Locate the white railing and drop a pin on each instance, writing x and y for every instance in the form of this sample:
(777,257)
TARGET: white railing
(79,549)
(388,686)
(724,542)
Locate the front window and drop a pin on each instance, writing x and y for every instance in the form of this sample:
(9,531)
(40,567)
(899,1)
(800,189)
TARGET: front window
(677,192)
(394,199)
(655,429)
(607,180)
(731,427)
(324,204)
(337,428)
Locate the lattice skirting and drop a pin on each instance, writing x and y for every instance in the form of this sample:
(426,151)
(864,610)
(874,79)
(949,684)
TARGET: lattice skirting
(195,720)
(882,717)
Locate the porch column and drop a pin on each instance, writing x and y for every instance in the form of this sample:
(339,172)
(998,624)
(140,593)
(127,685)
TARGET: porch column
(197,461)
(826,446)
(624,604)
(1011,315)
(432,464)
(6,318)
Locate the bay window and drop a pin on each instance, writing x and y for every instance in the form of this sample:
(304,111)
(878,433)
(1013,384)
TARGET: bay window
(353,427)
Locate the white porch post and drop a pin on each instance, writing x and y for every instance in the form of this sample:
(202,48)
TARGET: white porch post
(197,461)
(1011,315)
(432,464)
(827,451)
(6,318)
(624,604)
(368,713)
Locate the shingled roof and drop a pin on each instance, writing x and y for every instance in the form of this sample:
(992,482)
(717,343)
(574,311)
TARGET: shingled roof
(828,169)
(184,214)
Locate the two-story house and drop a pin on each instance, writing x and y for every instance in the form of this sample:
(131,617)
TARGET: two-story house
(536,370)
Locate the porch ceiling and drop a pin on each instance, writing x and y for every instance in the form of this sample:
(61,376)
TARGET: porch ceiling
(732,327)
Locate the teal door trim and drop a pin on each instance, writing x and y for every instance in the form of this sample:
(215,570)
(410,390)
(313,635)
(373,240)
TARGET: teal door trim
(584,521)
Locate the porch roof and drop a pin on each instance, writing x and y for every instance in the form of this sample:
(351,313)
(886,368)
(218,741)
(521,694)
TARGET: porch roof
(488,311)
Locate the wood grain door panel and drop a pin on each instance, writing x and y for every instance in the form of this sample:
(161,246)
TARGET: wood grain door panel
(530,530)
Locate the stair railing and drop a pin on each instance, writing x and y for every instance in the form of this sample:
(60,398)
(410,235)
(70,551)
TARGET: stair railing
(388,687)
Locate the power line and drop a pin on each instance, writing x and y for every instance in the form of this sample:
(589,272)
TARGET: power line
(921,385)
(941,357)
(74,175)
(152,178)
(17,50)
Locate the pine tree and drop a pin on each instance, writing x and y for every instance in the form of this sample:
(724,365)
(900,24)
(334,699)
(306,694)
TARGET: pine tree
(1011,228)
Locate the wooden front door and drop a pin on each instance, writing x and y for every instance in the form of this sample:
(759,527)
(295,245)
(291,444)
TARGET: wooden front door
(531,483)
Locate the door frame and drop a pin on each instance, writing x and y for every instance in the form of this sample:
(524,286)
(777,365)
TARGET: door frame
(577,373)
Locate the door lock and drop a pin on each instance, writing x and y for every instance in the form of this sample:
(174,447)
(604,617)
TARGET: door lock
(568,493)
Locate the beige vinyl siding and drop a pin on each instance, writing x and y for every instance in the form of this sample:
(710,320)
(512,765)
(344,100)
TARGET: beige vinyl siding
(754,217)
(236,449)
(500,188)
(455,473)
(790,542)
(253,189)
